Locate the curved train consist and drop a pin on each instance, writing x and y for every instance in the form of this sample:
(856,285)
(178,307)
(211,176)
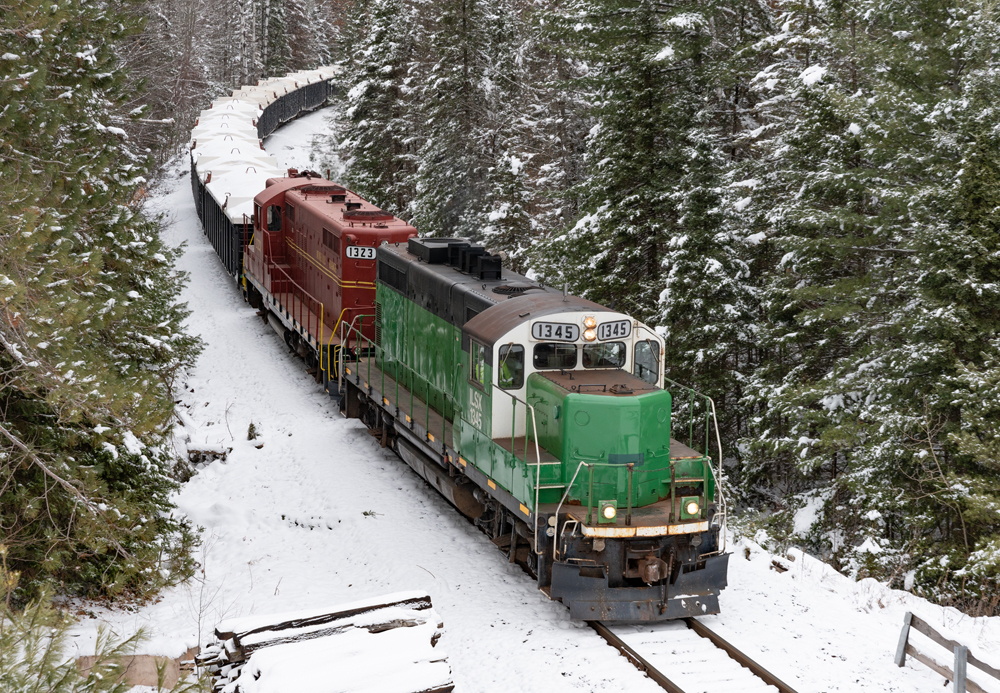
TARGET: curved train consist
(545,418)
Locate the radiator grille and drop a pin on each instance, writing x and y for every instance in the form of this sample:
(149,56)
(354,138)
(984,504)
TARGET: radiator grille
(389,275)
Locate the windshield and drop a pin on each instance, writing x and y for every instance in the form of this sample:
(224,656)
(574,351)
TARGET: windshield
(607,355)
(551,355)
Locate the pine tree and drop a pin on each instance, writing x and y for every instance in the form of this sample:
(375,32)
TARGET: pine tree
(875,329)
(92,337)
(378,133)
(453,162)
(707,304)
(646,63)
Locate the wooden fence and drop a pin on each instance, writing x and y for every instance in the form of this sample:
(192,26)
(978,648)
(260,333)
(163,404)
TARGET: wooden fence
(962,656)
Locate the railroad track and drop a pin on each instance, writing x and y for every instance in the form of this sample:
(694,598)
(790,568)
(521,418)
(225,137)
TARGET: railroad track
(696,658)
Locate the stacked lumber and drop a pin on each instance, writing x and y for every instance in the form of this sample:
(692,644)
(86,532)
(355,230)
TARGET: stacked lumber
(385,644)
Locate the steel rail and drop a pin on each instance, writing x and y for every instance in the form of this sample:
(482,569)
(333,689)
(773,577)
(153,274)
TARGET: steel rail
(743,660)
(702,630)
(635,658)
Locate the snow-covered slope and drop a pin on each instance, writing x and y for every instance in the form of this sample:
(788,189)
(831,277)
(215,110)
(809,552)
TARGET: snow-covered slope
(320,514)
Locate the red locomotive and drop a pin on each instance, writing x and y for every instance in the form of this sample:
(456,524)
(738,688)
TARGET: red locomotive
(310,264)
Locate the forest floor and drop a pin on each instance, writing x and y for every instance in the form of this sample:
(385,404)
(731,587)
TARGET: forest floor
(322,515)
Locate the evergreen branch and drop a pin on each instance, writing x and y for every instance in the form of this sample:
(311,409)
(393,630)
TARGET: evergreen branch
(901,251)
(73,490)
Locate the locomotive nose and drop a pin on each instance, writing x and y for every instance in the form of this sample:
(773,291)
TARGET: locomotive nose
(619,430)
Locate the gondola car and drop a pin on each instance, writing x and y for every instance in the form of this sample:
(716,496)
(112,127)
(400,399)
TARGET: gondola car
(543,417)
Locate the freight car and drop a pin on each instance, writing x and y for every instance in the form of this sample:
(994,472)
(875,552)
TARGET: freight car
(543,417)
(228,163)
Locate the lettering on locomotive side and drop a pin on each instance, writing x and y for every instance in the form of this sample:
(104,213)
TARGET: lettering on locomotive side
(476,403)
(357,252)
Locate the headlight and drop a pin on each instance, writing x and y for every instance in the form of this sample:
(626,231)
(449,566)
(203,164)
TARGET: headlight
(590,322)
(609,512)
(590,335)
(692,508)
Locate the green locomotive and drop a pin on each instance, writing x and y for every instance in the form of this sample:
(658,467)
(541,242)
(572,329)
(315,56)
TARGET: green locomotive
(543,417)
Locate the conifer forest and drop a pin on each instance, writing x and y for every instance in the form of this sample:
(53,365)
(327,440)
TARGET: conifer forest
(803,196)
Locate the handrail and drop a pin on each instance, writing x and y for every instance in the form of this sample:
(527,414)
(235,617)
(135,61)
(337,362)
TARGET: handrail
(555,536)
(266,269)
(271,268)
(716,476)
(333,333)
(538,454)
(340,363)
(380,354)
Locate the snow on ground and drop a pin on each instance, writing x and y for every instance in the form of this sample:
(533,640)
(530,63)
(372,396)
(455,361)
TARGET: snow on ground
(320,514)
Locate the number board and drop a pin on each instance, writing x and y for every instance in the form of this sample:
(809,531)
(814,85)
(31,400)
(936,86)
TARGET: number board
(619,329)
(360,252)
(555,331)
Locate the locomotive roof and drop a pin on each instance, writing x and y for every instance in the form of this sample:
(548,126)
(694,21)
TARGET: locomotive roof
(483,308)
(318,199)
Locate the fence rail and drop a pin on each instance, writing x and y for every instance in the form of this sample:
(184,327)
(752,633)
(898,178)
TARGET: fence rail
(963,658)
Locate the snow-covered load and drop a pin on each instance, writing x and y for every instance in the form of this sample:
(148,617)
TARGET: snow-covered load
(228,163)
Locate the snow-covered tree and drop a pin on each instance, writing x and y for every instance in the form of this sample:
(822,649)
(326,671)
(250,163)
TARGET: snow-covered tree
(91,339)
(874,331)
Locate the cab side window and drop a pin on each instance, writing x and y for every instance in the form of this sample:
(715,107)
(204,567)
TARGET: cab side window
(274,218)
(477,361)
(510,374)
(647,361)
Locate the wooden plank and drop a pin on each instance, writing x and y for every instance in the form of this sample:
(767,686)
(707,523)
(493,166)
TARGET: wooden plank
(250,647)
(970,686)
(903,637)
(929,663)
(717,640)
(922,626)
(223,633)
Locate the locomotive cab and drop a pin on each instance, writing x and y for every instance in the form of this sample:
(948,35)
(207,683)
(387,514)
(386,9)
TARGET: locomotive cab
(309,266)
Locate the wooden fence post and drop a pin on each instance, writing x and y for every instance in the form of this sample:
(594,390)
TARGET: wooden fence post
(901,649)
